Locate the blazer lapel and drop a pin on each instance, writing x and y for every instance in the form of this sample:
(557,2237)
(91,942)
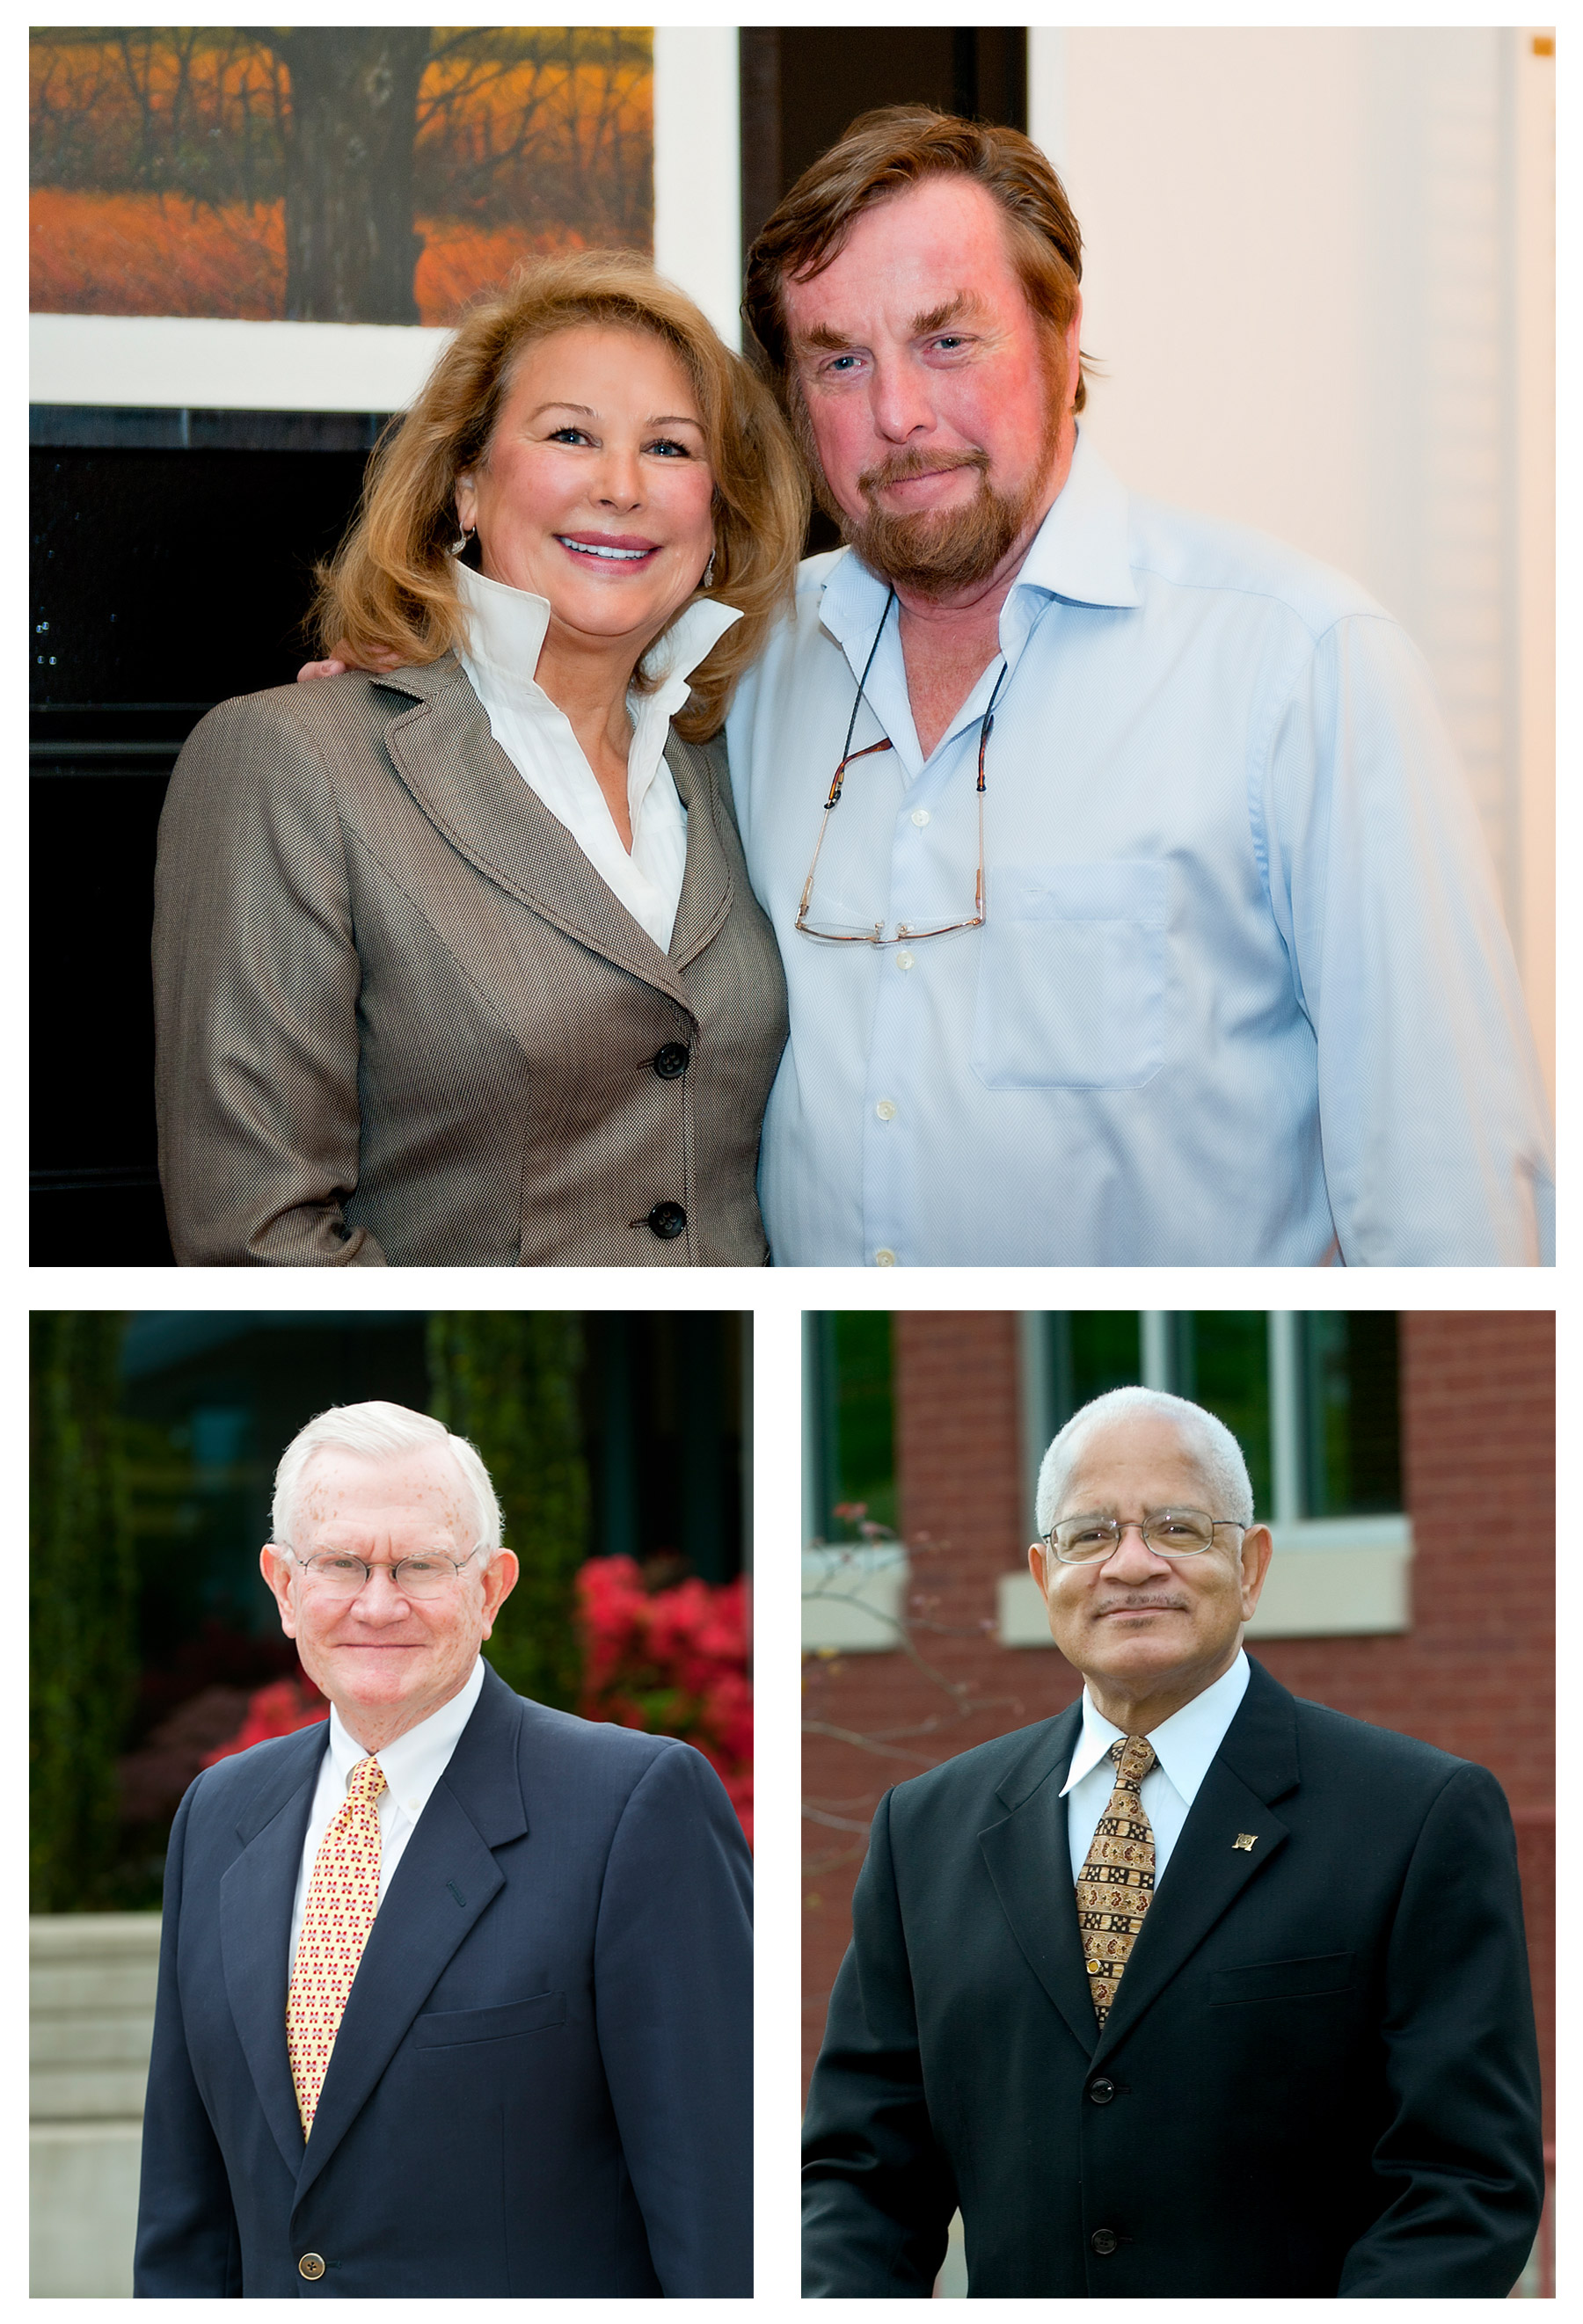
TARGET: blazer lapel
(1028,1861)
(461,778)
(256,1895)
(442,1885)
(706,884)
(1256,1764)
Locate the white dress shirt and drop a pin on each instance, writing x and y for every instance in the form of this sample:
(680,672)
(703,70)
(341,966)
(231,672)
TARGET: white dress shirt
(507,629)
(413,1764)
(1184,1745)
(1244,996)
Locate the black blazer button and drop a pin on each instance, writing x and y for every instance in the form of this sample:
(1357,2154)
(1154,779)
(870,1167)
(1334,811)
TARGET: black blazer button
(672,1061)
(1102,2091)
(1103,2240)
(667,1220)
(312,2266)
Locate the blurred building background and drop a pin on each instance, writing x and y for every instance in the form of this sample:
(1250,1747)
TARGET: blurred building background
(1405,1461)
(155,1438)
(1320,276)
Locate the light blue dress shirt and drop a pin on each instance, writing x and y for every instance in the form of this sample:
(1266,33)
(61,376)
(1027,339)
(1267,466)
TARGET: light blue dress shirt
(1245,995)
(1184,1745)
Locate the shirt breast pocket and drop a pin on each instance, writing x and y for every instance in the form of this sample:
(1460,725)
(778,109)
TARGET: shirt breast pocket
(1071,979)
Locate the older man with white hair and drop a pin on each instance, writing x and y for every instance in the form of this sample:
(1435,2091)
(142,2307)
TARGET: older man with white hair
(1195,1990)
(455,1993)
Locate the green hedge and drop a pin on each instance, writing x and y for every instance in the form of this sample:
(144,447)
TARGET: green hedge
(508,1383)
(82,1610)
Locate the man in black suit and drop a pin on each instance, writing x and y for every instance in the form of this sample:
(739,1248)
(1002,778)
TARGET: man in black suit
(1280,2045)
(455,1993)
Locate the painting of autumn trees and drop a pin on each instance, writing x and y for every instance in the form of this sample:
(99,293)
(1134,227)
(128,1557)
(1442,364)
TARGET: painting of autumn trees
(342,174)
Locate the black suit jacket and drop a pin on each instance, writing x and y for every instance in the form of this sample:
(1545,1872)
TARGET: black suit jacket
(541,2084)
(1319,2078)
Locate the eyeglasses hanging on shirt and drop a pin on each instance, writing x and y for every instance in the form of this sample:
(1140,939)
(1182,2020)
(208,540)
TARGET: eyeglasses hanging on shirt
(905,933)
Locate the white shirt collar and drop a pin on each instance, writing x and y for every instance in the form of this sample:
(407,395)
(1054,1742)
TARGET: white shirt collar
(1081,552)
(1184,1744)
(507,629)
(414,1763)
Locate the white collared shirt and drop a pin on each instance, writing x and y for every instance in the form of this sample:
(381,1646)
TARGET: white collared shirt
(1243,995)
(506,631)
(413,1764)
(1184,1745)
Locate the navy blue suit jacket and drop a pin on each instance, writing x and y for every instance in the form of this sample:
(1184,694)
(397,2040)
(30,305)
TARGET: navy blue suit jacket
(542,2082)
(1319,2079)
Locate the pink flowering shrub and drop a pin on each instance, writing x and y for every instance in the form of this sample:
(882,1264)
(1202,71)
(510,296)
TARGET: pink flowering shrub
(278,1709)
(671,1663)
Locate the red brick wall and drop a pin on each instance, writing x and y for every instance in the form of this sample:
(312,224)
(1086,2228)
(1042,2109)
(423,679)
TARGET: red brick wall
(1475,1674)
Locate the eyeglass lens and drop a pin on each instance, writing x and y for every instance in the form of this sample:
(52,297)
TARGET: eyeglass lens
(345,1577)
(1169,1533)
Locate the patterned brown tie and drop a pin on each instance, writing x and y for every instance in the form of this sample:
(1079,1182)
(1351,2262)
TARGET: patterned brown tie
(343,1897)
(1117,1878)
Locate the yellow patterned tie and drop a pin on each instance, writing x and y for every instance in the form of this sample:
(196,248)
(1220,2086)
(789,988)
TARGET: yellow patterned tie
(1117,1878)
(343,1897)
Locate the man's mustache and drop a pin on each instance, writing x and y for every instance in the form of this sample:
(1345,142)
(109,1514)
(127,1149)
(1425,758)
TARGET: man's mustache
(904,467)
(1143,1606)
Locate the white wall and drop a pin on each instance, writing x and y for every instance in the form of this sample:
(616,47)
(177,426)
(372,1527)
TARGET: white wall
(698,171)
(1316,274)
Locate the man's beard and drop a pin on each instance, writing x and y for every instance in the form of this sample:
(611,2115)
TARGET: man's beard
(941,553)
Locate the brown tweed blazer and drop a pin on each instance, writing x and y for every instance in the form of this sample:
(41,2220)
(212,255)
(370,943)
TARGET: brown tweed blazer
(402,1022)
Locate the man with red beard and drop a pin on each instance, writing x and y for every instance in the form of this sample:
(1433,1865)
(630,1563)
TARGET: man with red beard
(1132,906)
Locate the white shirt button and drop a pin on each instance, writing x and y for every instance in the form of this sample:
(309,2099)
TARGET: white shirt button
(921,816)
(886,1109)
(885,1258)
(903,960)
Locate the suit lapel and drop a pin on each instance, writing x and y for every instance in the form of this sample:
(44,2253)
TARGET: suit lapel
(706,884)
(461,778)
(1028,1861)
(256,1895)
(444,1883)
(1256,1764)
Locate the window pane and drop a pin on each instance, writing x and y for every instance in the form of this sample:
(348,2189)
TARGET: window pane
(1222,1363)
(861,1455)
(1352,1446)
(1106,1354)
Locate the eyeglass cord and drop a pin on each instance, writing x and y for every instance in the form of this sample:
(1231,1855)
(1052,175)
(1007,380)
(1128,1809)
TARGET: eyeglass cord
(985,731)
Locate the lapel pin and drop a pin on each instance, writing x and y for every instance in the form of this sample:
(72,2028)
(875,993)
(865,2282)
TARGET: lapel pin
(1244,1839)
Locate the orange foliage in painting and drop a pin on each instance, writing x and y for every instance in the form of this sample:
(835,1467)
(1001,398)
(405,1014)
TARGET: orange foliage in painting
(160,157)
(459,259)
(158,254)
(155,255)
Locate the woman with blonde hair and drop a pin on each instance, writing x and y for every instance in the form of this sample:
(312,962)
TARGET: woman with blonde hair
(455,959)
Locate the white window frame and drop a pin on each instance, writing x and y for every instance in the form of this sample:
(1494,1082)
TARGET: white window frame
(1331,1577)
(854,1594)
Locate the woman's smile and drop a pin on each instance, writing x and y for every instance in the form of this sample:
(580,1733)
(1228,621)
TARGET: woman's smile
(597,490)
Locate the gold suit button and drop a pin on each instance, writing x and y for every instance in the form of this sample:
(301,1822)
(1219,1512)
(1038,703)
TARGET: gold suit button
(312,2266)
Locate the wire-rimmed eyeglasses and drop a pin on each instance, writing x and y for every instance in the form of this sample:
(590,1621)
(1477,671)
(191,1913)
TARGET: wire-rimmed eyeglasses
(1168,1533)
(905,932)
(336,1574)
